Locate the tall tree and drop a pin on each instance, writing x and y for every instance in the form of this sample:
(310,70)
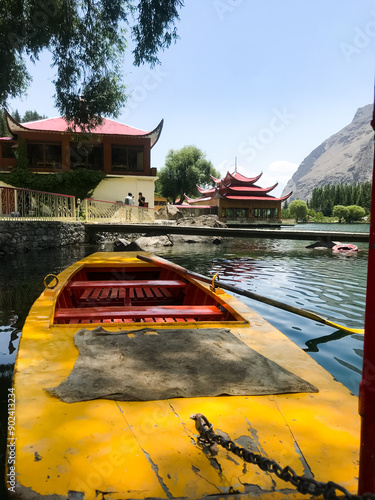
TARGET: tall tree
(17,116)
(340,212)
(355,213)
(32,116)
(183,170)
(87,40)
(298,209)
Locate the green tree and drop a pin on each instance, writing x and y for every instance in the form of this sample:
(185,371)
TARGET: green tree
(318,217)
(183,170)
(285,213)
(298,210)
(4,132)
(79,183)
(340,212)
(87,41)
(366,196)
(355,213)
(17,116)
(32,116)
(315,216)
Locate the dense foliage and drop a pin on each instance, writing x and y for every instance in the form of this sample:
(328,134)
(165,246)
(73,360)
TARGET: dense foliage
(79,183)
(298,210)
(4,132)
(323,199)
(183,170)
(87,40)
(32,116)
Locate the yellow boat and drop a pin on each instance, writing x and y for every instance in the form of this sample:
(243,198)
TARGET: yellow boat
(116,357)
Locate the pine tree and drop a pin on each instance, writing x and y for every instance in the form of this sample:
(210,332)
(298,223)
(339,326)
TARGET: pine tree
(17,116)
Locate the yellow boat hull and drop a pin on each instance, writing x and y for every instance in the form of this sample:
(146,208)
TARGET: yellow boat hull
(119,450)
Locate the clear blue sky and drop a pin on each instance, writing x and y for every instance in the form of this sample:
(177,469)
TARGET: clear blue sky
(263,81)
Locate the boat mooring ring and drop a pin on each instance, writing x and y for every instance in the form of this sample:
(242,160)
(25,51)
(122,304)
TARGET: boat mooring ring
(213,288)
(53,283)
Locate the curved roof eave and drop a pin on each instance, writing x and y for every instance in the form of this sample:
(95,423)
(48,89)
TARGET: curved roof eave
(195,200)
(241,178)
(205,191)
(215,180)
(155,134)
(253,188)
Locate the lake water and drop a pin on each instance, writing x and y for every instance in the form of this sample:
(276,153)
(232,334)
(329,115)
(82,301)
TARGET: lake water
(342,228)
(332,285)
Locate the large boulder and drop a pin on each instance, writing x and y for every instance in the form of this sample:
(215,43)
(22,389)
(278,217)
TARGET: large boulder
(124,245)
(168,212)
(154,241)
(201,221)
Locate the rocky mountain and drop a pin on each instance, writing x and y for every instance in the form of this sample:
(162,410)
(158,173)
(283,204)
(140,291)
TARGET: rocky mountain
(346,157)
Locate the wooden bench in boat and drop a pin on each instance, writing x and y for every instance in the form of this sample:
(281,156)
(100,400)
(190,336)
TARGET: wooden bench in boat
(125,291)
(138,313)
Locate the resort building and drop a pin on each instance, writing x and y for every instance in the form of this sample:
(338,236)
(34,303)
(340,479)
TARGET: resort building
(122,152)
(238,199)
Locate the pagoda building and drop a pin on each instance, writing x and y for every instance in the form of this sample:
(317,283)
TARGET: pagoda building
(238,198)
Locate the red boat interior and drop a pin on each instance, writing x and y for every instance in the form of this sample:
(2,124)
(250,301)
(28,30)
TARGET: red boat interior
(127,295)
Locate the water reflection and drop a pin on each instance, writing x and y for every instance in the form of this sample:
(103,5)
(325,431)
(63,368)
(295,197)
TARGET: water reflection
(312,345)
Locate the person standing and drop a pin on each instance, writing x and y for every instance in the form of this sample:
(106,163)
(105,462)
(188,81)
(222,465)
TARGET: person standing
(141,200)
(129,200)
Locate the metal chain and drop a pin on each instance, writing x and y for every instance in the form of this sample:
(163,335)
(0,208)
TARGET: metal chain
(208,437)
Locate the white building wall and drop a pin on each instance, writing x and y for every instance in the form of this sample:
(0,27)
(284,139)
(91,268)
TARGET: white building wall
(116,188)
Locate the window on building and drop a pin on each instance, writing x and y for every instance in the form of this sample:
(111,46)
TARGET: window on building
(127,158)
(7,149)
(45,155)
(265,213)
(86,156)
(235,213)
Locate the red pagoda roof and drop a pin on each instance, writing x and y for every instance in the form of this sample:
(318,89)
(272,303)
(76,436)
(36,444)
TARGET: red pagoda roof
(60,125)
(236,179)
(217,194)
(261,198)
(245,190)
(237,187)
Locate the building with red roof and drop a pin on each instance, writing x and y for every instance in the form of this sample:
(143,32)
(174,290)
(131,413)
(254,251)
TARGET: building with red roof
(237,198)
(122,152)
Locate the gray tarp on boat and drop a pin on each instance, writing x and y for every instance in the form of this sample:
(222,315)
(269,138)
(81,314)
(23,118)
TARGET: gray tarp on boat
(144,365)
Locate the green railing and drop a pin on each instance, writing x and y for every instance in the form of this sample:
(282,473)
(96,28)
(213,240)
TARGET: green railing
(25,204)
(92,211)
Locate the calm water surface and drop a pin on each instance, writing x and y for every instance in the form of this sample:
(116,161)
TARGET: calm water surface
(332,285)
(344,228)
